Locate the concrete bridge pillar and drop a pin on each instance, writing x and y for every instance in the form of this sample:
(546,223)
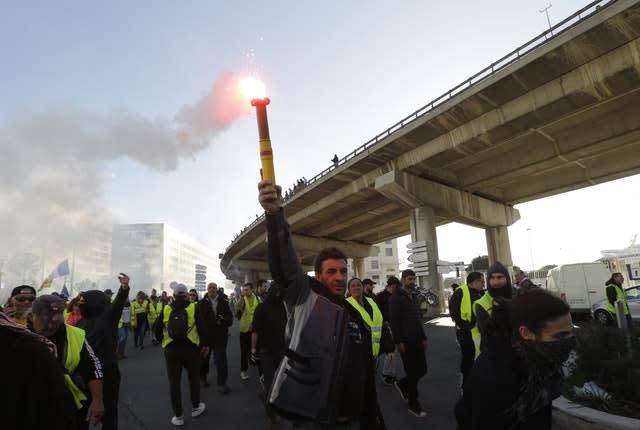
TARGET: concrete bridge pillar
(498,247)
(422,221)
(358,267)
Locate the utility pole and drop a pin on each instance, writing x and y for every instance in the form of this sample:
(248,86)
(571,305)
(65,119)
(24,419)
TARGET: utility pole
(546,12)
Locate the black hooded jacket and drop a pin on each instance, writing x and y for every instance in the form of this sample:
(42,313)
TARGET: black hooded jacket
(100,322)
(482,317)
(269,321)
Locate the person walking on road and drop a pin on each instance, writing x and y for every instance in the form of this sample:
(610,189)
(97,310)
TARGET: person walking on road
(519,373)
(216,313)
(245,308)
(100,320)
(411,341)
(139,319)
(323,378)
(183,331)
(460,305)
(614,293)
(382,300)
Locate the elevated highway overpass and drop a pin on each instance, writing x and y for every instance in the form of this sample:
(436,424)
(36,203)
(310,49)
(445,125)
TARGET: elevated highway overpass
(559,113)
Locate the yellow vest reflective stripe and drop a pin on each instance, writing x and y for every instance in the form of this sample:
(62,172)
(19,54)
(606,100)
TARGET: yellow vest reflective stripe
(465,304)
(620,296)
(486,302)
(137,308)
(247,314)
(75,341)
(154,312)
(192,331)
(374,323)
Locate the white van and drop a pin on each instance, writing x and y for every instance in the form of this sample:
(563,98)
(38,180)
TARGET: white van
(581,284)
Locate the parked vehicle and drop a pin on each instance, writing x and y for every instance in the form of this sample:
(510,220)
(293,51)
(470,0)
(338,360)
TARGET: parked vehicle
(582,285)
(601,314)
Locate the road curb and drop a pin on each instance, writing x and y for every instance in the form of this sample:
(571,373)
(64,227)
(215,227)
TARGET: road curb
(568,415)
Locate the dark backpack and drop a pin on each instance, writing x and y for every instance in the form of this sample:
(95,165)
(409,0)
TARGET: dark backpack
(178,325)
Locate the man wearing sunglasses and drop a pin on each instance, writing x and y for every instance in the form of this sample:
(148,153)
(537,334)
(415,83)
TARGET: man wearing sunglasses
(22,298)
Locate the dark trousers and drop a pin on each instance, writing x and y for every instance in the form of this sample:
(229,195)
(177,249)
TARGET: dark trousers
(177,357)
(219,352)
(140,330)
(468,351)
(245,349)
(410,385)
(269,361)
(110,393)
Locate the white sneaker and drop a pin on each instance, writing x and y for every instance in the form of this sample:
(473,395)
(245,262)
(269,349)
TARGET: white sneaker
(244,376)
(177,421)
(197,411)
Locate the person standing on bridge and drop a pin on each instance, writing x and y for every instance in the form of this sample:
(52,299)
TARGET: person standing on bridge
(411,341)
(245,308)
(460,305)
(183,332)
(217,315)
(328,364)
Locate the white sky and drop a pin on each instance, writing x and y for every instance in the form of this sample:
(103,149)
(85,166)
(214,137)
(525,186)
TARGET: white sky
(337,73)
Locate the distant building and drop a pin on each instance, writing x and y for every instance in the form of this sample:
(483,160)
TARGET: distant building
(154,255)
(380,267)
(626,261)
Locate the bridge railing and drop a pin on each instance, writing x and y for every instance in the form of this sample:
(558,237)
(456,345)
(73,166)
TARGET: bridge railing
(493,68)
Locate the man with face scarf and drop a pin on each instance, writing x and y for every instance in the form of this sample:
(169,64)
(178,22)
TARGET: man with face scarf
(498,285)
(75,355)
(100,322)
(519,373)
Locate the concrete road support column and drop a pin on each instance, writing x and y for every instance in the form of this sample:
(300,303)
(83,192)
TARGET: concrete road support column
(499,248)
(423,227)
(358,267)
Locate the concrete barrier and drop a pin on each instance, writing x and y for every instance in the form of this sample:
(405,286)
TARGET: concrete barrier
(568,415)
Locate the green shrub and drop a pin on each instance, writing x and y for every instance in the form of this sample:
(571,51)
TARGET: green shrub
(604,357)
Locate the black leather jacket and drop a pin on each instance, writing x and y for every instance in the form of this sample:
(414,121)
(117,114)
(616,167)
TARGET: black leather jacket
(327,374)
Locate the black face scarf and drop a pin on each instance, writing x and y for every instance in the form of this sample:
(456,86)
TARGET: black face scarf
(543,365)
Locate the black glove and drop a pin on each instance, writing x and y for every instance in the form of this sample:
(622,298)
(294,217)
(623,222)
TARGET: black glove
(254,359)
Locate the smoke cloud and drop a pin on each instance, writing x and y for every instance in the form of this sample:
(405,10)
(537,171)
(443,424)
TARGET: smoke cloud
(52,171)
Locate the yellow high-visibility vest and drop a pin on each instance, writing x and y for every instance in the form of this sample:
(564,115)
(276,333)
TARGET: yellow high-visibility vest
(486,302)
(247,314)
(75,341)
(375,323)
(192,331)
(620,296)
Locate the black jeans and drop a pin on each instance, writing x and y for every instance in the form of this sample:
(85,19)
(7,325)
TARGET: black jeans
(269,361)
(110,393)
(140,330)
(177,357)
(219,352)
(468,351)
(245,349)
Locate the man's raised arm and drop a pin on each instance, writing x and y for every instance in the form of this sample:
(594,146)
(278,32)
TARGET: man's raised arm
(283,260)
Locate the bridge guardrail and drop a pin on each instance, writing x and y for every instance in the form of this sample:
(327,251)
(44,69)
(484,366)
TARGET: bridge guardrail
(513,56)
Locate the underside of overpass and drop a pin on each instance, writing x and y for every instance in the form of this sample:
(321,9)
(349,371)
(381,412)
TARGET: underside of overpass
(564,116)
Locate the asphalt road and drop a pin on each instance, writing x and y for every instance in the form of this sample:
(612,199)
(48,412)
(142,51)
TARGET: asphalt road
(144,392)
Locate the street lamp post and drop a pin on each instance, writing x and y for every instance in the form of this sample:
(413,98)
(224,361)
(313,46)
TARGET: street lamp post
(530,250)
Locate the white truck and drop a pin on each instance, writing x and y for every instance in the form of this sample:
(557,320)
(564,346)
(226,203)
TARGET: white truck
(582,284)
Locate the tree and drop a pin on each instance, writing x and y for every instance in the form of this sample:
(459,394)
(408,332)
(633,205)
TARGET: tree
(479,264)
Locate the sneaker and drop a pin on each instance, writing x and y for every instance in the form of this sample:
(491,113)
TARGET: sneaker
(417,411)
(224,390)
(402,391)
(244,376)
(198,410)
(177,421)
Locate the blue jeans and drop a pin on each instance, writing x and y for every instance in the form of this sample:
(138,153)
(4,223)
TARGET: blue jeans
(123,334)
